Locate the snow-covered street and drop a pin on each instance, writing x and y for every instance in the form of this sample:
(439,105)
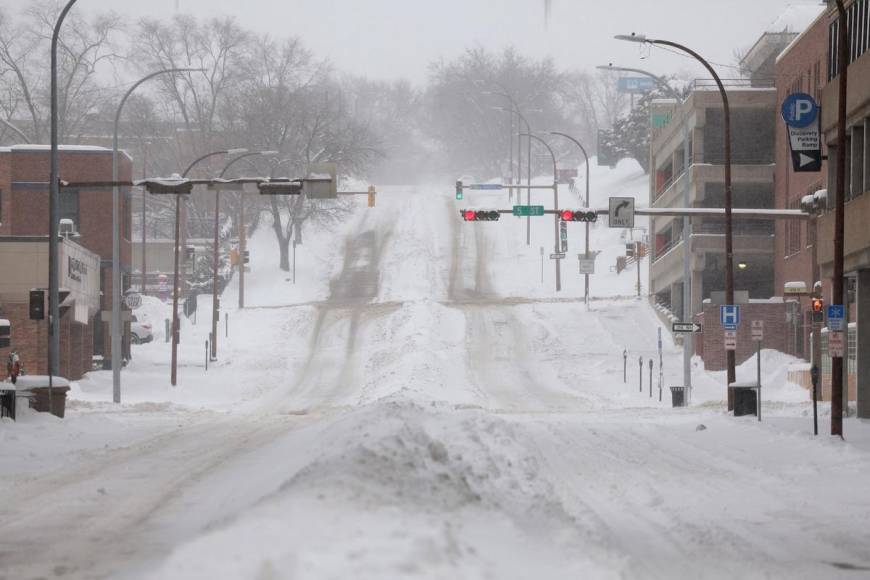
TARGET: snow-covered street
(422,405)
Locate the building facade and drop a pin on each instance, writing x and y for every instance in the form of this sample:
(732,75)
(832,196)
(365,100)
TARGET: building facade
(24,172)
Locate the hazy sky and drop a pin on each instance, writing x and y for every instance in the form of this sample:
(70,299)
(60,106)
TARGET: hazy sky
(398,38)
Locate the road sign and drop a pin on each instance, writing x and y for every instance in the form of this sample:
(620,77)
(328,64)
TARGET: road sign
(758,330)
(685,328)
(635,84)
(485,186)
(836,344)
(836,318)
(528,210)
(622,212)
(133,300)
(587,265)
(799,110)
(729,316)
(557,256)
(730,340)
(801,113)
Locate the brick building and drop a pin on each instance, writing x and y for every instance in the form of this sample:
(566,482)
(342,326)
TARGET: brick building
(801,67)
(24,172)
(856,186)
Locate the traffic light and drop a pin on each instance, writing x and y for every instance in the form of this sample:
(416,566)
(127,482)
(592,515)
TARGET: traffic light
(459,195)
(37,305)
(246,257)
(818,306)
(570,215)
(372,193)
(630,250)
(480,215)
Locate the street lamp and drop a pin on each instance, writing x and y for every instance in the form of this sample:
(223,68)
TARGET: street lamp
(173,373)
(586,157)
(729,240)
(557,246)
(116,237)
(53,217)
(525,121)
(688,339)
(215,253)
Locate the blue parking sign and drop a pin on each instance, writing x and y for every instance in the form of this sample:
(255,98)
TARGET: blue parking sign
(729,316)
(836,317)
(799,110)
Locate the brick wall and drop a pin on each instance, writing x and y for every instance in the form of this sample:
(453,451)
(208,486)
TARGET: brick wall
(711,346)
(30,339)
(802,68)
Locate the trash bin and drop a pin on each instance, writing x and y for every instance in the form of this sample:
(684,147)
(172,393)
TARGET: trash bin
(37,387)
(745,399)
(678,396)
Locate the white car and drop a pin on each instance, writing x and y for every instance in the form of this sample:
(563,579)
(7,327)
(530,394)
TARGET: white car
(140,332)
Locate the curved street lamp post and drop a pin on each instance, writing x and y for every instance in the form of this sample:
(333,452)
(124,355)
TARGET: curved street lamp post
(557,246)
(729,239)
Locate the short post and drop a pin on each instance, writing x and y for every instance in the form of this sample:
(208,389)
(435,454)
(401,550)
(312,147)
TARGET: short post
(210,341)
(640,363)
(637,256)
(814,374)
(206,355)
(758,413)
(542,264)
(294,261)
(650,377)
(226,324)
(625,366)
(167,330)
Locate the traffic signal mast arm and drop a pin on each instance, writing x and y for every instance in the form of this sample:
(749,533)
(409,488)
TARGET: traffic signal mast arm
(760,214)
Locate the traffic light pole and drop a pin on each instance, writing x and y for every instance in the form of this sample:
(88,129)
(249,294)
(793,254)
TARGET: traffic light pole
(243,244)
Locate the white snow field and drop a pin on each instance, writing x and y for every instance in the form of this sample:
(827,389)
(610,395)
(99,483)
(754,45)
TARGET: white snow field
(420,405)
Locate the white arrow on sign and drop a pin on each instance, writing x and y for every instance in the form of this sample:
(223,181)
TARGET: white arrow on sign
(685,327)
(806,160)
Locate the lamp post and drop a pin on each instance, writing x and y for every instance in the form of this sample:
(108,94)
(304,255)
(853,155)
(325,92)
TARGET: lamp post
(215,254)
(53,216)
(688,339)
(557,247)
(173,373)
(586,157)
(116,236)
(729,239)
(515,108)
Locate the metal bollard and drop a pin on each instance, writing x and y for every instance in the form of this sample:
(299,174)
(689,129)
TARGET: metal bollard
(625,366)
(227,324)
(640,362)
(206,355)
(650,377)
(168,330)
(814,373)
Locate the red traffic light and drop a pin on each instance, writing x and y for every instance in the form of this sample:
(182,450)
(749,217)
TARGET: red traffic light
(480,215)
(567,215)
(578,216)
(469,215)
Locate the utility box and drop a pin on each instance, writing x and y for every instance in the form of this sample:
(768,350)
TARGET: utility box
(321,181)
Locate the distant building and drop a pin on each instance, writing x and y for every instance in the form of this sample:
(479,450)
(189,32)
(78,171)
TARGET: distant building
(24,172)
(753,103)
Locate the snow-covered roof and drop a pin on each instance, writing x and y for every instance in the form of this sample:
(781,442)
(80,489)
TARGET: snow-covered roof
(30,147)
(796,18)
(820,14)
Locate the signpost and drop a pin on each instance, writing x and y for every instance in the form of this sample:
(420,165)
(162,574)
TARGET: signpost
(587,265)
(557,256)
(801,113)
(836,344)
(758,330)
(685,328)
(622,212)
(836,318)
(731,340)
(528,210)
(729,316)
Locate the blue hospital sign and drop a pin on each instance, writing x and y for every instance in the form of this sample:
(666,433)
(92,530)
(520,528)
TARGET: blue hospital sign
(729,316)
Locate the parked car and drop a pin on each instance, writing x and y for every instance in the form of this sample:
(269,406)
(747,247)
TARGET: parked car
(140,332)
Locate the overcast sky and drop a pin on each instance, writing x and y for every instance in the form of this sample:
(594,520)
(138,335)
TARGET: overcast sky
(398,38)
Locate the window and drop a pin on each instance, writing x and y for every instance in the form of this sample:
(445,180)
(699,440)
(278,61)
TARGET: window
(69,206)
(1,206)
(858,24)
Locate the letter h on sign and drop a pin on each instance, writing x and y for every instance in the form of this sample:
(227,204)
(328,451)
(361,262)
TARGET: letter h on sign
(729,317)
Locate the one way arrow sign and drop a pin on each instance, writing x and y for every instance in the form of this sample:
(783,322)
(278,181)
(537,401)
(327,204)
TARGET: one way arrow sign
(685,328)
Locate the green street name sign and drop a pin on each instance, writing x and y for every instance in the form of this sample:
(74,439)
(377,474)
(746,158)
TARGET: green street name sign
(528,210)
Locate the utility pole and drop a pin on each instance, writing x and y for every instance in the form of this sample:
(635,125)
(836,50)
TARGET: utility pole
(837,375)
(243,244)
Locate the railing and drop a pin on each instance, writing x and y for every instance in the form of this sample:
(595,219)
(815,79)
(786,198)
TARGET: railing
(710,84)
